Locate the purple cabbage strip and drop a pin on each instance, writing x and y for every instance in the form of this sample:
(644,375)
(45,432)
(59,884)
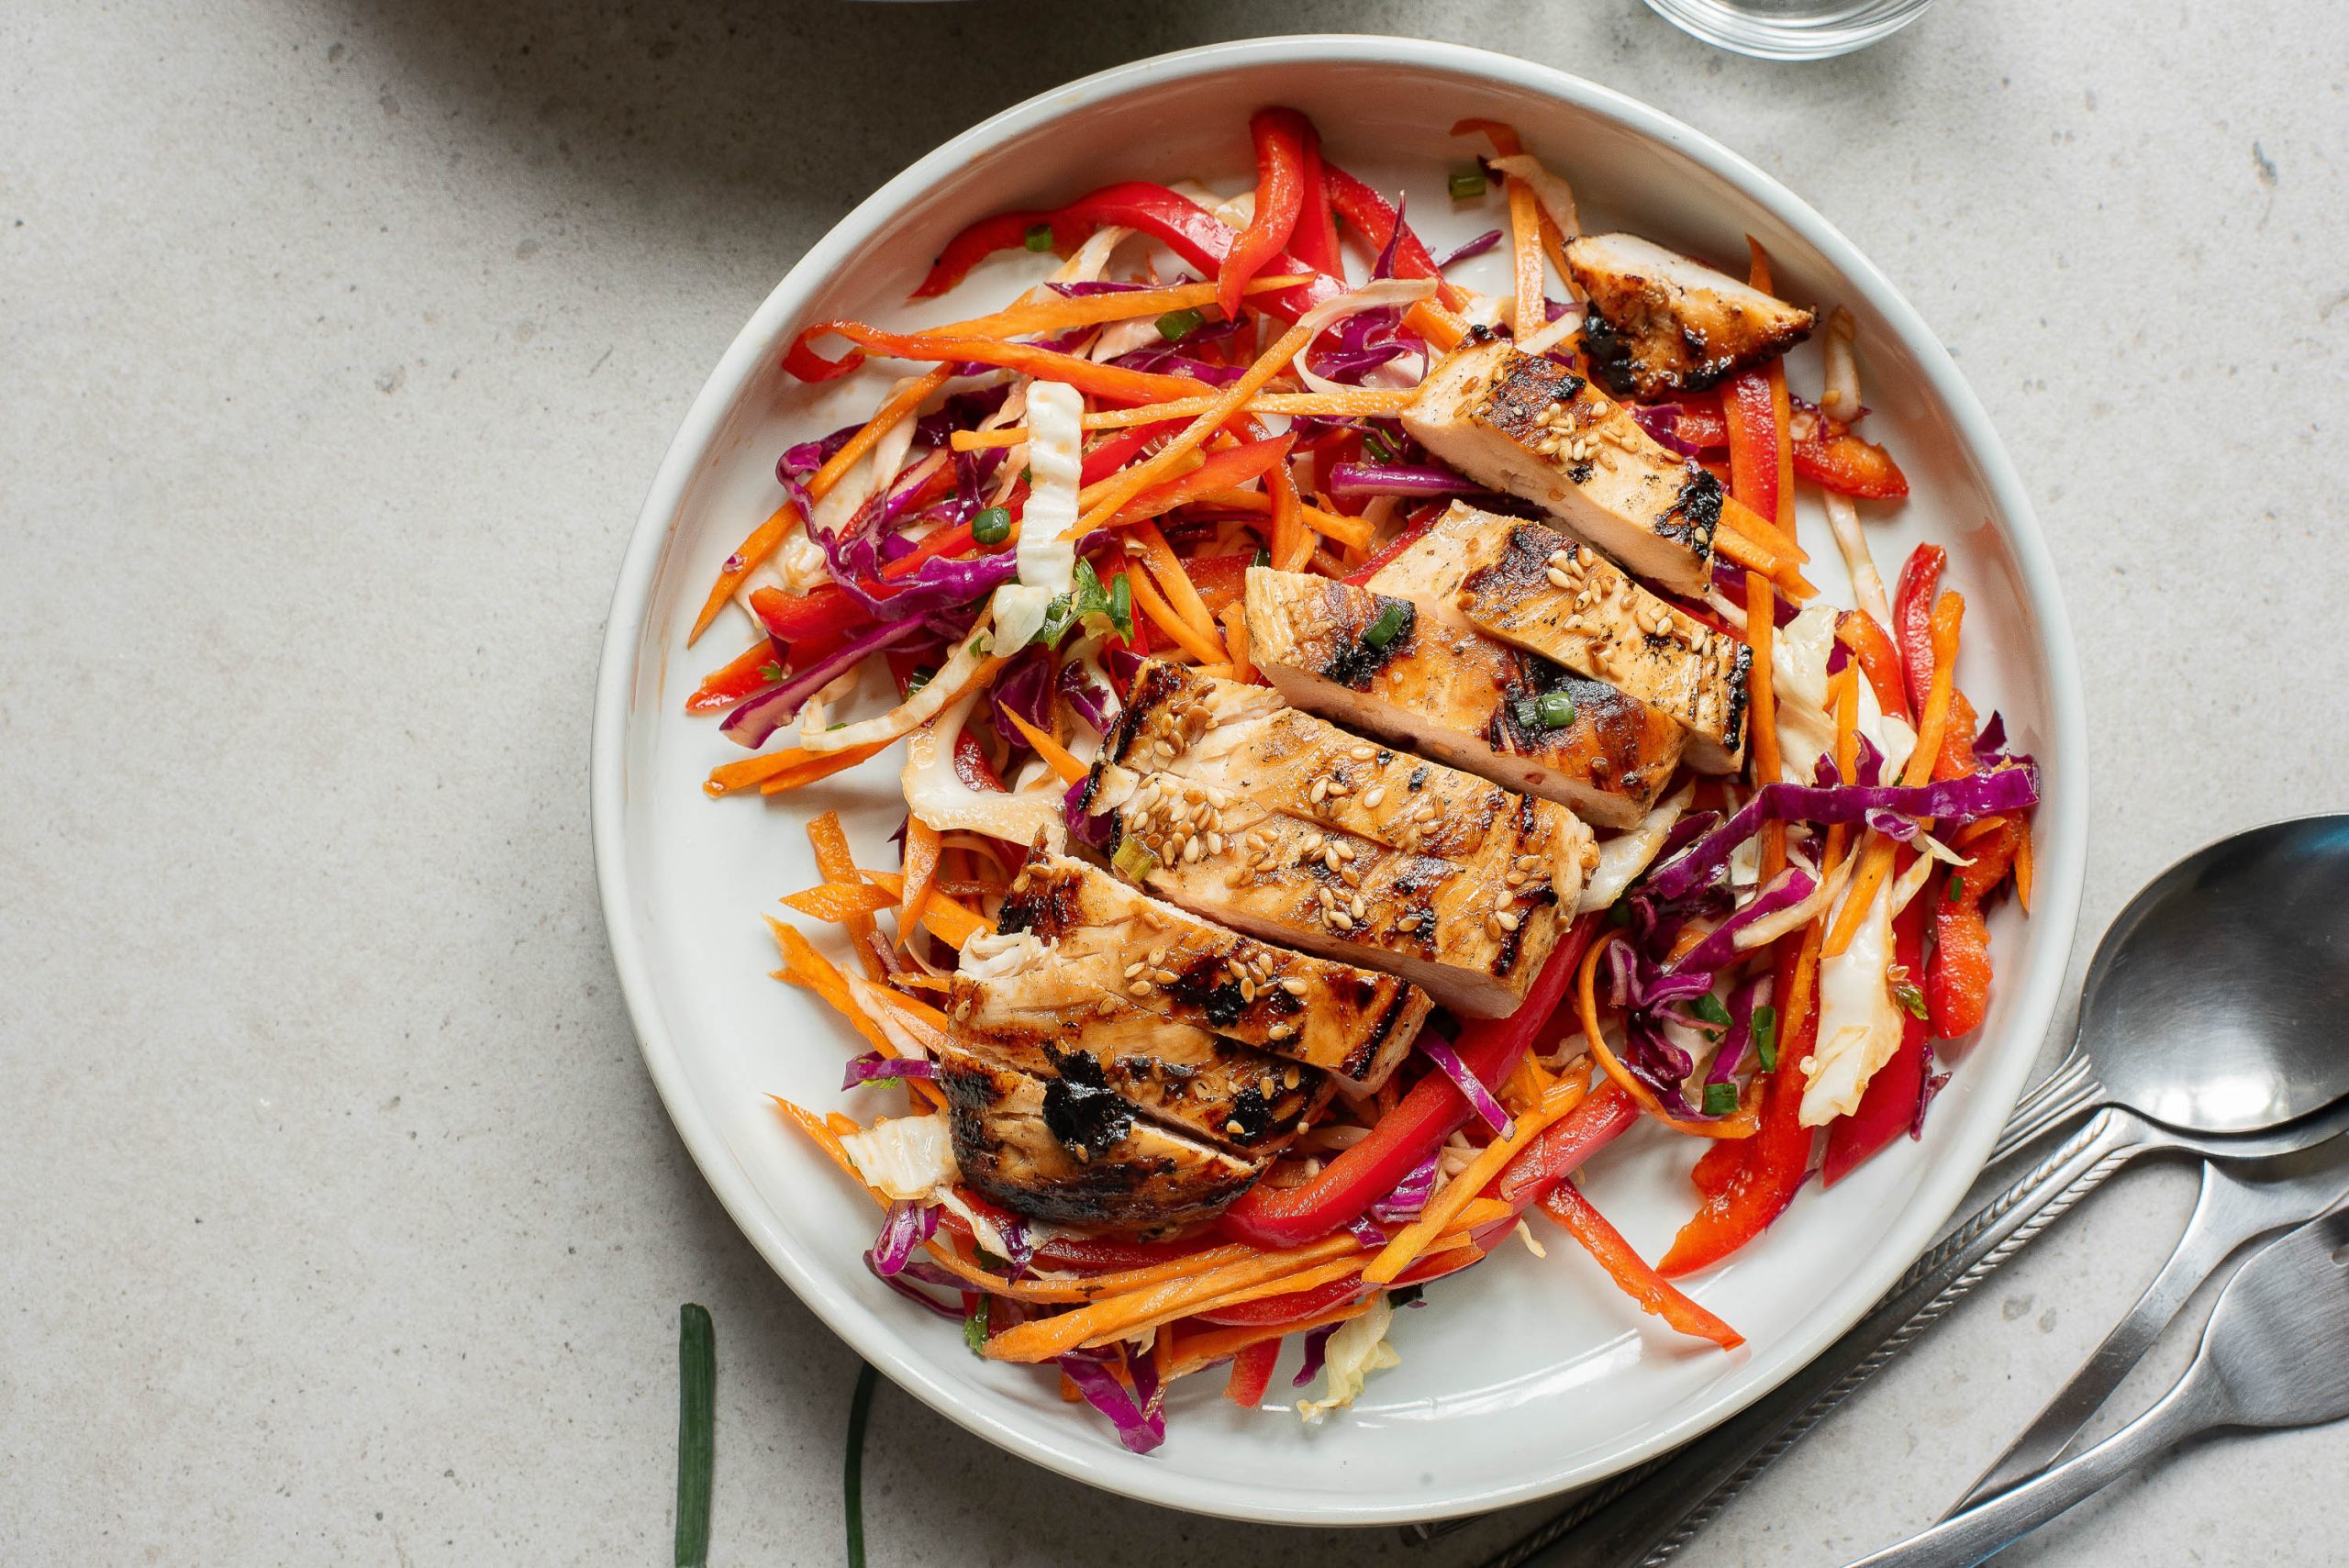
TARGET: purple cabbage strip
(1899,828)
(1316,1351)
(1368,1231)
(1790,887)
(875,1068)
(1024,688)
(905,1286)
(1398,479)
(1730,581)
(1142,1371)
(1956,800)
(1662,422)
(1739,1039)
(1477,247)
(1089,828)
(753,721)
(1167,362)
(1410,1194)
(1655,1062)
(1471,1087)
(797,462)
(1385,266)
(908,1226)
(1139,1429)
(1094,703)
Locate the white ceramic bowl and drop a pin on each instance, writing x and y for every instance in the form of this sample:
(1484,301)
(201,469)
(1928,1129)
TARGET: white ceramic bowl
(1525,1377)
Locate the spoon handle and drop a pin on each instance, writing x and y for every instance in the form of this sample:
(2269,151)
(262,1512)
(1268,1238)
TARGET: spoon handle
(1648,1521)
(2230,1211)
(2198,1402)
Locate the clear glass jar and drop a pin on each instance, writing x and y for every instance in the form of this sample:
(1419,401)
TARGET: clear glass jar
(1790,29)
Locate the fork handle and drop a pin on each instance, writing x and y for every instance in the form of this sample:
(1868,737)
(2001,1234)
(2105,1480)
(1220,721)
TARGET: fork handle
(2198,1402)
(1647,1522)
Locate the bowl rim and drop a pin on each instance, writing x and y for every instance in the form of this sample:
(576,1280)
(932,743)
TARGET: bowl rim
(2063,811)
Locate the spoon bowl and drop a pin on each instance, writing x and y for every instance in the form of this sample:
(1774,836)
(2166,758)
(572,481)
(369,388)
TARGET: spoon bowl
(2215,1001)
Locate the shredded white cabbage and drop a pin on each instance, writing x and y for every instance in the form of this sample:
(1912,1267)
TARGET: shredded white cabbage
(1622,858)
(909,1158)
(936,793)
(1356,1350)
(1798,654)
(1859,1022)
(1554,195)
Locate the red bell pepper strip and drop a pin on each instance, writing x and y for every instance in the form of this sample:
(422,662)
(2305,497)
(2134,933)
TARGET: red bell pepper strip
(1777,1154)
(1424,1117)
(1957,977)
(1367,212)
(1913,618)
(1605,1115)
(1252,1373)
(1279,136)
(1387,552)
(1752,442)
(1716,1164)
(1828,455)
(1889,1107)
(793,617)
(1225,470)
(1182,225)
(1220,579)
(1268,1310)
(752,671)
(1315,239)
(1566,1205)
(1879,662)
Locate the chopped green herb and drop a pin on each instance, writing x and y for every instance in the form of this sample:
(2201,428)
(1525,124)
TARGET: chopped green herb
(842,725)
(1709,1007)
(992,525)
(770,671)
(978,645)
(1956,888)
(1392,619)
(1619,914)
(1720,1099)
(1132,860)
(1059,616)
(1556,709)
(1470,186)
(1528,713)
(1905,991)
(974,1326)
(988,1260)
(1177,324)
(1039,237)
(860,1410)
(1377,448)
(922,675)
(1765,1036)
(697,1424)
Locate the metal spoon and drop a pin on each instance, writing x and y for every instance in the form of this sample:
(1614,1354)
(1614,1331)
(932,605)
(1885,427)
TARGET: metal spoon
(2209,1026)
(2232,1209)
(2270,1358)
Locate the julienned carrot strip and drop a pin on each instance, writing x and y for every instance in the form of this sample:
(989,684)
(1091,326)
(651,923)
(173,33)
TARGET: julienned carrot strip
(1291,544)
(786,768)
(923,845)
(839,903)
(1949,613)
(803,966)
(816,765)
(1134,480)
(1566,1205)
(949,920)
(1741,549)
(1740,1125)
(1056,756)
(1367,403)
(1058,314)
(908,396)
(1525,250)
(1352,532)
(1165,617)
(1442,328)
(1045,364)
(1173,581)
(1235,638)
(832,859)
(742,563)
(1413,1240)
(1212,480)
(820,1134)
(2022,867)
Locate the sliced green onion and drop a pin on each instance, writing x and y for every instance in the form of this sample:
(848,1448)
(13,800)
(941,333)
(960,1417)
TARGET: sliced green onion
(1765,1034)
(1468,187)
(1720,1099)
(1528,713)
(1388,626)
(1619,914)
(697,1427)
(1264,557)
(1179,324)
(1905,991)
(922,675)
(1121,606)
(992,525)
(860,1410)
(1956,890)
(1132,860)
(1557,710)
(1040,237)
(1709,1007)
(1377,448)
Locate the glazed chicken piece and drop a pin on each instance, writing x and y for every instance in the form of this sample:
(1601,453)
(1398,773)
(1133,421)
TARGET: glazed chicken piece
(1660,323)
(1441,687)
(1105,938)
(1530,427)
(1230,803)
(1534,588)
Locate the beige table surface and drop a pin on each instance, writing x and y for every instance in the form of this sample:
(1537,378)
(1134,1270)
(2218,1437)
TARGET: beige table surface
(338,344)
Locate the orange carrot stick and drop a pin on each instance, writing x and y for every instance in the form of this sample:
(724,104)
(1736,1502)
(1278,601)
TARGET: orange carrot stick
(742,563)
(1566,1205)
(922,844)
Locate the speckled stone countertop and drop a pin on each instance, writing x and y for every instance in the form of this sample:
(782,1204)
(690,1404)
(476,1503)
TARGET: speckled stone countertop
(340,340)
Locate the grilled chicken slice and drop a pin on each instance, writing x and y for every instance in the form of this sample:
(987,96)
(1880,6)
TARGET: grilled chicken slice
(1528,426)
(1447,690)
(1534,588)
(1070,1149)
(1236,806)
(1660,323)
(1166,962)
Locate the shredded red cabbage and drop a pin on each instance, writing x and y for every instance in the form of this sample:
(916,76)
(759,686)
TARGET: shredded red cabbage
(1730,581)
(1662,422)
(1398,479)
(1025,688)
(905,1286)
(1480,1099)
(908,1227)
(1316,1351)
(1477,247)
(753,721)
(1094,701)
(1410,1194)
(1739,1039)
(875,1068)
(1955,800)
(1140,1428)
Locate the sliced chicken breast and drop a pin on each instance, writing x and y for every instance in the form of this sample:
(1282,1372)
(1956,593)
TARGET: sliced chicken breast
(1447,690)
(1114,941)
(1527,425)
(1070,1149)
(1243,809)
(1660,323)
